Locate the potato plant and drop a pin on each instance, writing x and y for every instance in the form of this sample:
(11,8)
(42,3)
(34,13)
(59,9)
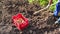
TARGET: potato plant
(52,7)
(44,3)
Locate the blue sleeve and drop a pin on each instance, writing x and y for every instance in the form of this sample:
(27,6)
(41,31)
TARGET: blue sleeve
(57,10)
(58,0)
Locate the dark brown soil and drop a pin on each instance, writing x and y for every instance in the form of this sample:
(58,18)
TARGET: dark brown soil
(41,23)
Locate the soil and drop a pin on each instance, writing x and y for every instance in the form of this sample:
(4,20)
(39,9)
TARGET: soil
(41,23)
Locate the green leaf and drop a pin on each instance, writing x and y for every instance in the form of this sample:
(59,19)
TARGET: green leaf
(30,1)
(52,8)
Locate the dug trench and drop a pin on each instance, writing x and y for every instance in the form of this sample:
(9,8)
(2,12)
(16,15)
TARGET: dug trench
(41,23)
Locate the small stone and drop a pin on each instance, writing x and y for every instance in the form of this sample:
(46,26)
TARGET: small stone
(30,31)
(45,32)
(34,32)
(0,3)
(39,27)
(20,32)
(37,23)
(4,7)
(13,5)
(59,29)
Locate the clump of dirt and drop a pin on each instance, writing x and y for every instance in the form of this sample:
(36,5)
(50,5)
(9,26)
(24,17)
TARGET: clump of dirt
(41,23)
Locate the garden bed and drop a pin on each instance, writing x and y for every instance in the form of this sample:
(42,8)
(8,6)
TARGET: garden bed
(41,23)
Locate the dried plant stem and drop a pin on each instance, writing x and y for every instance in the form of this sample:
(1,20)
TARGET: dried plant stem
(42,9)
(3,14)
